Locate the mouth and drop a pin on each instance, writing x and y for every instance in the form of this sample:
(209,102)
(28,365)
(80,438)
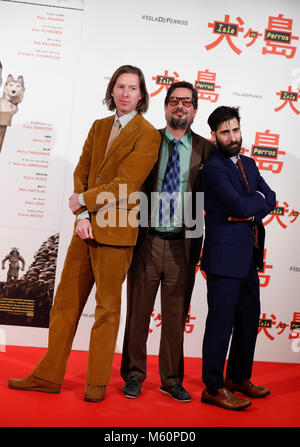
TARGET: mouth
(179,113)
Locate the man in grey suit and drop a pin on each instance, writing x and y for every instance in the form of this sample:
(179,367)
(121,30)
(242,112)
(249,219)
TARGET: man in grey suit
(168,249)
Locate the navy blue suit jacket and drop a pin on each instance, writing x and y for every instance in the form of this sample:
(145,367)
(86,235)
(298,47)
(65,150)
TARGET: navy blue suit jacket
(228,246)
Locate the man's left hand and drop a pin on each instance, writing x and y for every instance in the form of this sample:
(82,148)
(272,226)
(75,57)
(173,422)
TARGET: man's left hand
(74,204)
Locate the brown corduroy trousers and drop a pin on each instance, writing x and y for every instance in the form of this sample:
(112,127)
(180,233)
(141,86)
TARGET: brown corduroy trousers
(86,263)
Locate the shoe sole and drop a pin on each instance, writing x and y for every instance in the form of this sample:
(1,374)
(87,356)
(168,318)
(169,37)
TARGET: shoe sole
(54,391)
(209,402)
(90,399)
(131,397)
(178,400)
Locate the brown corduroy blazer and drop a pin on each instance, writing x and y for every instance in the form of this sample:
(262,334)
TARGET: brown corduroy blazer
(128,162)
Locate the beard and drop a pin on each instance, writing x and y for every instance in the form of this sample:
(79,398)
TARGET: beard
(179,123)
(231,149)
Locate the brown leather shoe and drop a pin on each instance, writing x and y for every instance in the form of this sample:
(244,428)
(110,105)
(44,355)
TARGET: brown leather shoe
(32,383)
(247,388)
(94,393)
(225,399)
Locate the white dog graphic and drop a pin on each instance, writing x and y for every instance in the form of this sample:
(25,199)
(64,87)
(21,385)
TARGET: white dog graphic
(13,92)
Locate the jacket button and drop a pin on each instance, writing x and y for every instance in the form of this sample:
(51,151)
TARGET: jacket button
(98,178)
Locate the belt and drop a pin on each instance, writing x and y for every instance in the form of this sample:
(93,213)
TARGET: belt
(167,235)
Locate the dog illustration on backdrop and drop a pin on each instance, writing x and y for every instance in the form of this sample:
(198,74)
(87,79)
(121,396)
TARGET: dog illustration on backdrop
(13,92)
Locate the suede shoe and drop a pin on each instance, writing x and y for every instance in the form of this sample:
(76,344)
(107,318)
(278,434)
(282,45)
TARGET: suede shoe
(132,388)
(32,383)
(225,399)
(177,392)
(247,388)
(94,393)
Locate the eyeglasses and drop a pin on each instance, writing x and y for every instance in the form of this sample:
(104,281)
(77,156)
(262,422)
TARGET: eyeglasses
(174,100)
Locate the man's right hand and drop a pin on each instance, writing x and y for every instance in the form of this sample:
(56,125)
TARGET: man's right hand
(84,229)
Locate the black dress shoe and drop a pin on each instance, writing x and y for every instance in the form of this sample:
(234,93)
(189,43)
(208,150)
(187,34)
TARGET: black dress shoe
(177,392)
(132,388)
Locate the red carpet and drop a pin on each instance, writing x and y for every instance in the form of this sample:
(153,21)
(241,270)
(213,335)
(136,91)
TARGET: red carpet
(152,409)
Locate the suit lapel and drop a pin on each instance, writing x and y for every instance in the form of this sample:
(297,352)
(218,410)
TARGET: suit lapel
(196,157)
(235,171)
(247,164)
(156,167)
(102,140)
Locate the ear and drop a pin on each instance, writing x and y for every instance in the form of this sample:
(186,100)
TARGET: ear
(213,135)
(21,80)
(10,78)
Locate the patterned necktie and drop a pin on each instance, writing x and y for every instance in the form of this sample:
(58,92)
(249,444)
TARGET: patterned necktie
(241,168)
(168,201)
(113,134)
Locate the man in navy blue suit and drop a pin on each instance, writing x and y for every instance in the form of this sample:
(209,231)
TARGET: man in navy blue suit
(236,199)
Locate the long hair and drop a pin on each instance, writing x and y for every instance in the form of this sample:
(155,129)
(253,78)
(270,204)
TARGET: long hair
(143,104)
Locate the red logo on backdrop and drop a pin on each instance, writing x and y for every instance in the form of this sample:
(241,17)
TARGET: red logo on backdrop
(288,97)
(295,326)
(164,81)
(198,266)
(188,328)
(226,30)
(253,35)
(156,318)
(267,326)
(279,214)
(278,36)
(265,151)
(206,85)
(264,277)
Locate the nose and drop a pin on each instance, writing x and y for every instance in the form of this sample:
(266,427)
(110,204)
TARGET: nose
(233,137)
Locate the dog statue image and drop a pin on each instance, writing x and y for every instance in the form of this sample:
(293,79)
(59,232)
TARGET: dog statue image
(13,92)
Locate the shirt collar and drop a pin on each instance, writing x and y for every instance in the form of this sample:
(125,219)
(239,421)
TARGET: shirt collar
(185,140)
(124,119)
(235,158)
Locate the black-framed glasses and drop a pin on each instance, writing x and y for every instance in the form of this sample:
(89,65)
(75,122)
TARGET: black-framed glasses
(174,100)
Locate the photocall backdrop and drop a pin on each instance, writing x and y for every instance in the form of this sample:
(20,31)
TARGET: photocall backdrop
(244,54)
